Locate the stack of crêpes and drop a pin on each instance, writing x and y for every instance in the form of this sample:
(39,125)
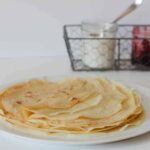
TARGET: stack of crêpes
(77,105)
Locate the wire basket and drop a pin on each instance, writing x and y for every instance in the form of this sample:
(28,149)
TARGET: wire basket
(123,51)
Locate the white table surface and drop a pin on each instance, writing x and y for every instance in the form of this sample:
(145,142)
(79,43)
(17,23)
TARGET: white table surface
(12,69)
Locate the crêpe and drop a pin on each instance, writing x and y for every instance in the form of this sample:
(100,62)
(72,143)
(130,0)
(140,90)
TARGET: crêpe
(77,105)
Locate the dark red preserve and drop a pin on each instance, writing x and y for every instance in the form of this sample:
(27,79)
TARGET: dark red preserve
(141,45)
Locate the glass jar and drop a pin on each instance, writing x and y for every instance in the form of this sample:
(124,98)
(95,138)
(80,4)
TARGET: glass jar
(99,44)
(141,45)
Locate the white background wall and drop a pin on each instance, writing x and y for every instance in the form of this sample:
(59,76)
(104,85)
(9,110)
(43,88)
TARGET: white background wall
(34,27)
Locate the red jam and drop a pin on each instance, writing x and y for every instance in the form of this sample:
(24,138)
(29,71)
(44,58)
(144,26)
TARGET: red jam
(141,45)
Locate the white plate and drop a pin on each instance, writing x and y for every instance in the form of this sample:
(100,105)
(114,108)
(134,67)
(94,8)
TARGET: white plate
(8,130)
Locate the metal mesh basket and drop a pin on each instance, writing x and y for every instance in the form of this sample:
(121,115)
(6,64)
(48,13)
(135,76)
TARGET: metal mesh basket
(123,52)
